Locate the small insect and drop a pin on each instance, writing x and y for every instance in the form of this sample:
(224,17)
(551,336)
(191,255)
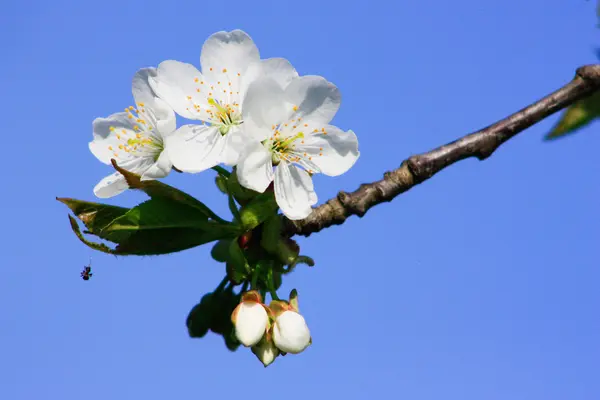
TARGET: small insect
(86,274)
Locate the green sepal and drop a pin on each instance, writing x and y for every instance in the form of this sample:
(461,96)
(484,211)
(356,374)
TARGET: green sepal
(252,296)
(294,300)
(278,307)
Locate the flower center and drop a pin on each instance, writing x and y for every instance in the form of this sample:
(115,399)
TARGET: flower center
(139,141)
(221,92)
(282,148)
(224,116)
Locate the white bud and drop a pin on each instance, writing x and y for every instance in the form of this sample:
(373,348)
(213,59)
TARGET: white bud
(250,319)
(266,352)
(290,333)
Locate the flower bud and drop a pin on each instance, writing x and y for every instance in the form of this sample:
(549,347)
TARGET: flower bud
(290,332)
(258,210)
(250,319)
(266,352)
(221,183)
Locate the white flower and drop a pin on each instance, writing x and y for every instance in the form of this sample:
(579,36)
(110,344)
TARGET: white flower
(290,127)
(230,61)
(290,332)
(266,352)
(251,322)
(134,138)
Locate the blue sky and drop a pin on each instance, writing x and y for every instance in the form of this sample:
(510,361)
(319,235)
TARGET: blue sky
(478,284)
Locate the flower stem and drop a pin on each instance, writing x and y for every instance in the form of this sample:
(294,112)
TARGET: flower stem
(255,278)
(271,285)
(233,208)
(222,285)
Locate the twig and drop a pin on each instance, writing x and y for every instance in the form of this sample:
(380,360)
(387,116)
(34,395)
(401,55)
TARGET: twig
(418,168)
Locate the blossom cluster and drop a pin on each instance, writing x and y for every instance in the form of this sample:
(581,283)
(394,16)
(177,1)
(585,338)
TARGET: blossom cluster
(257,115)
(270,330)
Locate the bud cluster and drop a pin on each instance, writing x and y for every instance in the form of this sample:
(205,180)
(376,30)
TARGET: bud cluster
(271,330)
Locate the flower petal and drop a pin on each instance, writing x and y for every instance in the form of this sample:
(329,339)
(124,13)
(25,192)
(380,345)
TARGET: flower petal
(195,148)
(294,191)
(255,170)
(314,98)
(145,98)
(111,186)
(263,107)
(235,143)
(227,53)
(251,321)
(291,333)
(109,134)
(159,169)
(183,88)
(331,150)
(278,69)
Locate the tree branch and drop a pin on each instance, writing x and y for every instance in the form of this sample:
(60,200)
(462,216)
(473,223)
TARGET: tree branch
(418,168)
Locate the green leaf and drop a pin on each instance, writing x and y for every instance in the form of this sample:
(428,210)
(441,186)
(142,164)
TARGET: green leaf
(159,213)
(576,117)
(258,210)
(170,221)
(157,226)
(152,242)
(96,246)
(156,215)
(95,216)
(156,189)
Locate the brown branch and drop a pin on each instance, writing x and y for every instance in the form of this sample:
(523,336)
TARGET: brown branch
(418,168)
